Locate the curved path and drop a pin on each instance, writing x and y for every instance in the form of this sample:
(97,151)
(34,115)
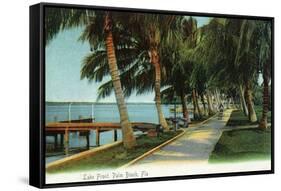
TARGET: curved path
(195,145)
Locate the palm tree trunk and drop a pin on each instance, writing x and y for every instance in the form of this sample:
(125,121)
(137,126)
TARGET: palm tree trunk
(263,121)
(227,103)
(212,102)
(154,59)
(218,97)
(129,140)
(215,106)
(231,103)
(195,109)
(184,107)
(198,111)
(197,104)
(243,102)
(241,105)
(210,105)
(249,99)
(204,105)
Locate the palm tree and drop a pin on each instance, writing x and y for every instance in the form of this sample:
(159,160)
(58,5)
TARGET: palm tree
(174,63)
(157,28)
(127,131)
(177,82)
(208,53)
(243,60)
(224,48)
(145,56)
(210,103)
(249,101)
(264,55)
(242,100)
(196,109)
(255,45)
(98,30)
(178,65)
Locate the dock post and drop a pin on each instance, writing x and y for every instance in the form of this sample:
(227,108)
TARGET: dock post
(88,139)
(56,141)
(61,140)
(66,141)
(97,137)
(115,135)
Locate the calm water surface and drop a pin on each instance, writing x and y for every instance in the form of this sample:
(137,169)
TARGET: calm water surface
(101,113)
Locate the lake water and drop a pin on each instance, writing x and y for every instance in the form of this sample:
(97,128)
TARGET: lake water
(104,112)
(142,112)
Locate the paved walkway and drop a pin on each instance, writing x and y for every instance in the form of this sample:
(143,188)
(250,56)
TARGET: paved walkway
(195,145)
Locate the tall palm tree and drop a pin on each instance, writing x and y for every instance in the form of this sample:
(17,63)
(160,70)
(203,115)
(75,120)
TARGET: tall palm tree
(145,56)
(224,46)
(196,109)
(157,28)
(265,62)
(178,65)
(177,82)
(243,101)
(243,59)
(255,46)
(99,32)
(207,53)
(127,131)
(210,103)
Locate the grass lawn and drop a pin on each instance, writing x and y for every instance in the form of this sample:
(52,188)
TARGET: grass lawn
(117,156)
(242,145)
(238,118)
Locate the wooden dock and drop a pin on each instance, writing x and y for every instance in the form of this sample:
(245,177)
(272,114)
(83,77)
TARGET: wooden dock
(64,128)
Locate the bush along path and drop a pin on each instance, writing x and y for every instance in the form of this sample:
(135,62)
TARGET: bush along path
(195,145)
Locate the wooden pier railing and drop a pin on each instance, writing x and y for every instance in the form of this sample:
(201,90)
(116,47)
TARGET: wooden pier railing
(64,128)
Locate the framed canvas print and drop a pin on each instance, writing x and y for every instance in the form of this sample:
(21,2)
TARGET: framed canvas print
(129,95)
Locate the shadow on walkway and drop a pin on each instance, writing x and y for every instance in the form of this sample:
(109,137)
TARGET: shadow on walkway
(195,145)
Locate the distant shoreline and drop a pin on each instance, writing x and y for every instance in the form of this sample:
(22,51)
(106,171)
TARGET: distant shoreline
(103,103)
(96,103)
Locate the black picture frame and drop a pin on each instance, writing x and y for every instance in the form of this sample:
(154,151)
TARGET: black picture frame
(37,96)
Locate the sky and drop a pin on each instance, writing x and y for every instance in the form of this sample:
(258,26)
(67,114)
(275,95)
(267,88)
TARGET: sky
(64,55)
